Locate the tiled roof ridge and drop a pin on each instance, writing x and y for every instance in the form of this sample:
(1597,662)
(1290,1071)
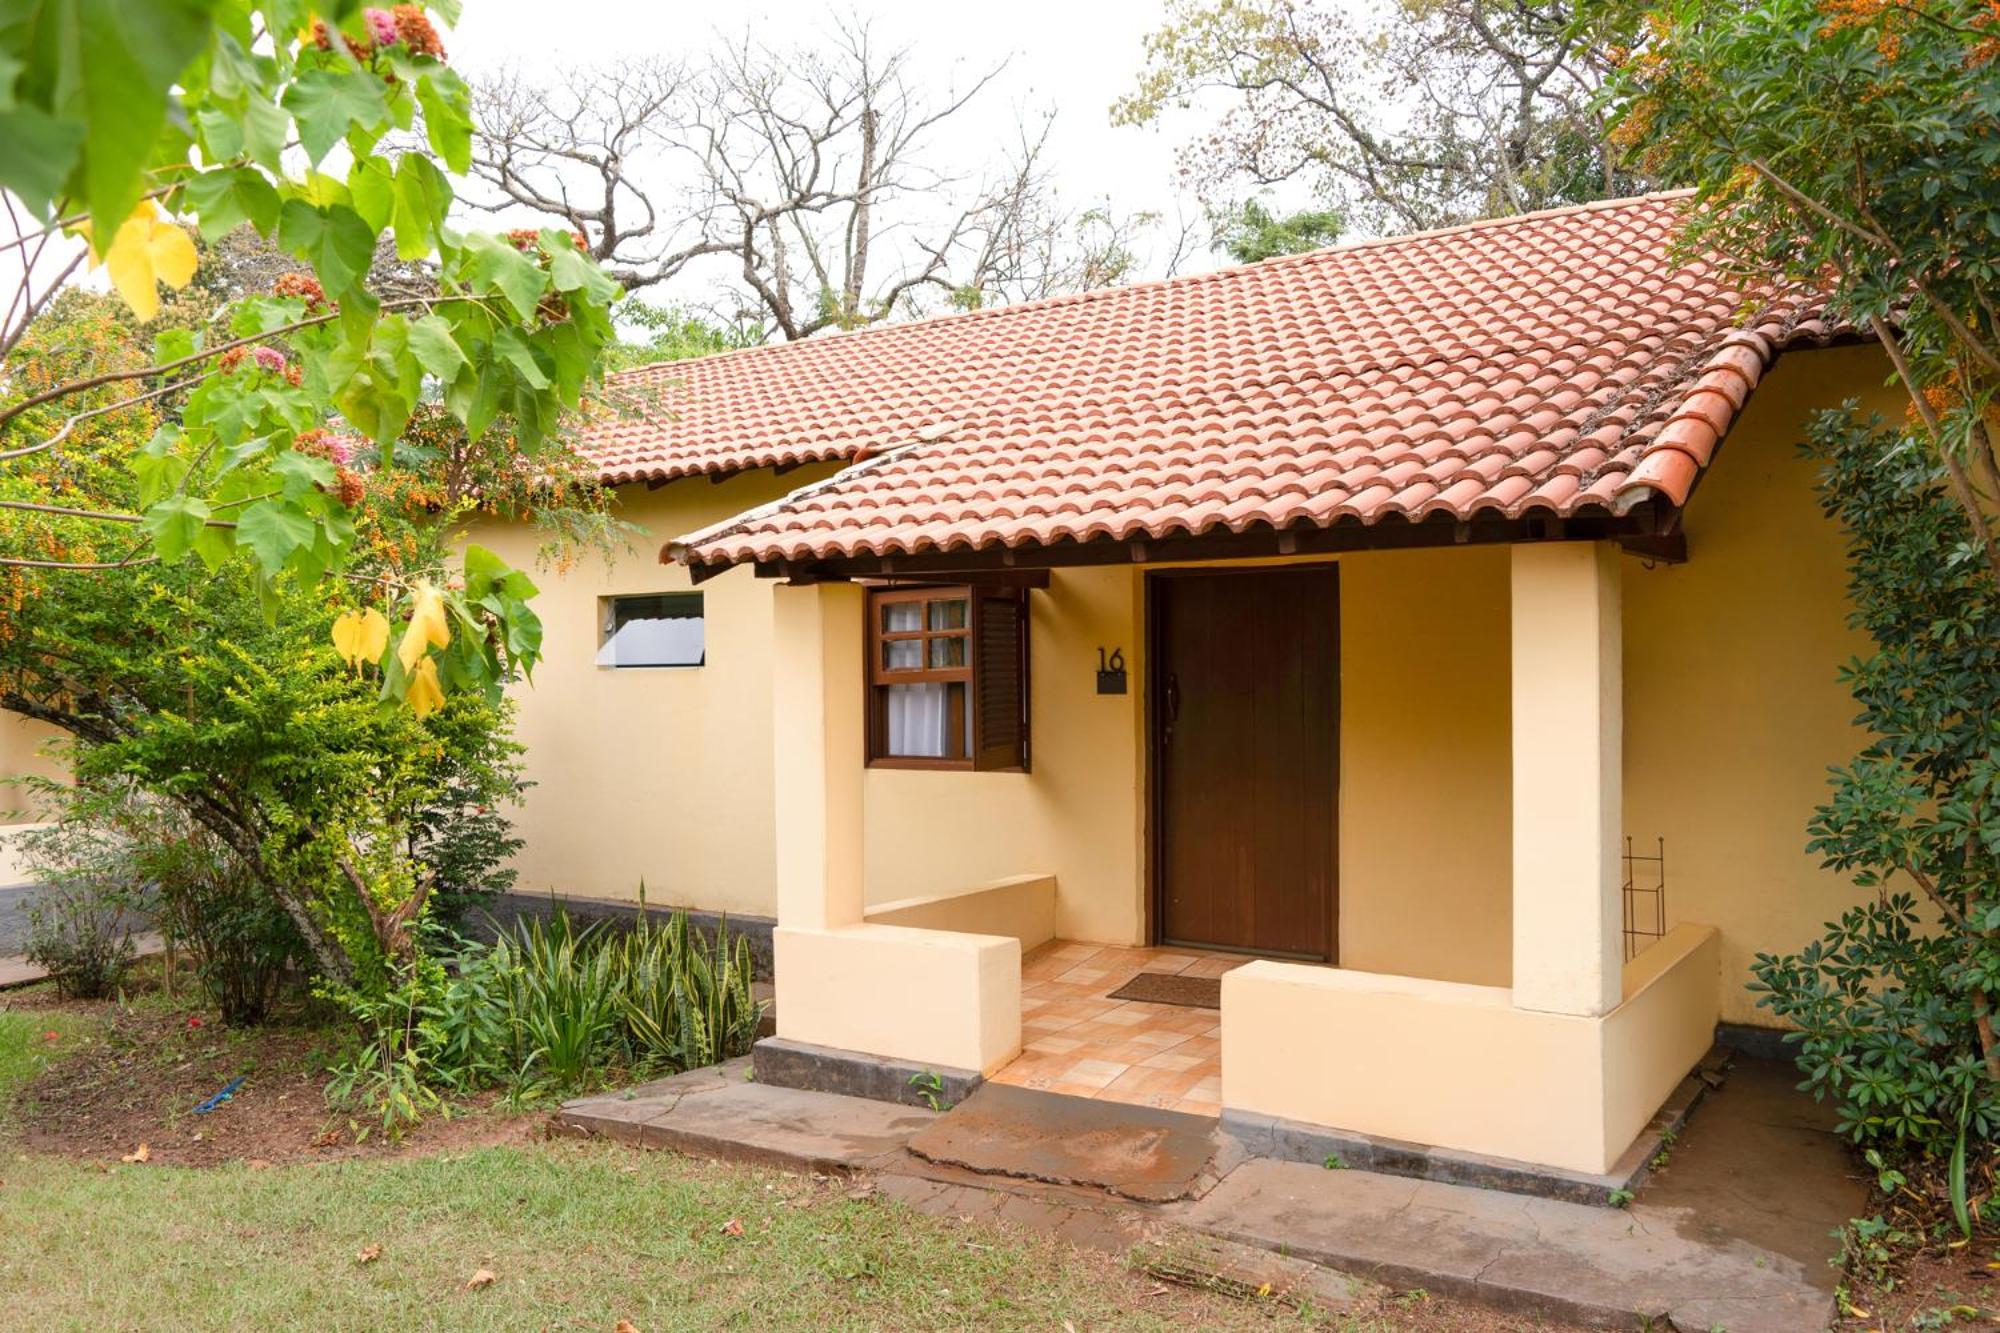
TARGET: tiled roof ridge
(887,328)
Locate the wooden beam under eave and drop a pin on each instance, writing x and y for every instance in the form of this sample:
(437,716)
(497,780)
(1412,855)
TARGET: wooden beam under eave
(1258,542)
(977,578)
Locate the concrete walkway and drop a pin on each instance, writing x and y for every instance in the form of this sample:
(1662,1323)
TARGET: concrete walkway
(1734,1231)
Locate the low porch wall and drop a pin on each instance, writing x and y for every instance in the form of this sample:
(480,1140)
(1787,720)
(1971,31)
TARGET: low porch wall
(1458,1066)
(934,997)
(1023,907)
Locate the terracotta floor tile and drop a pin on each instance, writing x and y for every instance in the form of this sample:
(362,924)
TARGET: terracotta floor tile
(1079,1042)
(1095,1073)
(1173,1060)
(1161,1041)
(1195,1106)
(1054,1045)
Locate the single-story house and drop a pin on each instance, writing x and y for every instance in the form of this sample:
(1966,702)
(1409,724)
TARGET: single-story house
(1393,617)
(1434,640)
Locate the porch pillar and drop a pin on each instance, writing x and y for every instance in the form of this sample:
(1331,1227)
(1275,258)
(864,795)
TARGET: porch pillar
(1568,781)
(817,743)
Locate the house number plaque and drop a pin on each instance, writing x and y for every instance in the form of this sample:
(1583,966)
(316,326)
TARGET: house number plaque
(1111,671)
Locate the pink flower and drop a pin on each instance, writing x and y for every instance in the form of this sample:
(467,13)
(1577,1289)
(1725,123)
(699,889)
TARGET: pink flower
(381,26)
(270,358)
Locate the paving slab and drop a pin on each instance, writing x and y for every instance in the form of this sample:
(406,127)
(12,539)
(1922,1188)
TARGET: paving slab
(1137,1152)
(1763,1162)
(1601,1266)
(715,1115)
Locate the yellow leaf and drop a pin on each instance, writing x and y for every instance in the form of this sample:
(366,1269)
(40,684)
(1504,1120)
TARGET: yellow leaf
(360,636)
(140,1154)
(146,251)
(424,694)
(428,626)
(485,1277)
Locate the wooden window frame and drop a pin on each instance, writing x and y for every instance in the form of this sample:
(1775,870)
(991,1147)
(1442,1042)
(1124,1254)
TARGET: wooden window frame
(878,676)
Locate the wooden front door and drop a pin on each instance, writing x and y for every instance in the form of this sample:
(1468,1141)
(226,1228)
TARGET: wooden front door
(1245,706)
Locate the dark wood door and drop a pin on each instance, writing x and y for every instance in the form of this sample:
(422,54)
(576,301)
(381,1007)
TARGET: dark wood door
(1246,754)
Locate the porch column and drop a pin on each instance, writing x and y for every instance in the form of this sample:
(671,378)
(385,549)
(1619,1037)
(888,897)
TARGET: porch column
(817,740)
(1568,780)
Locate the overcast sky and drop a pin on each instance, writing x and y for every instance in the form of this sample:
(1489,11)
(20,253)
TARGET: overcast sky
(1075,56)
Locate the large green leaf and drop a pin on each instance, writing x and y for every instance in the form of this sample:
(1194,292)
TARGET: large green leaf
(327,103)
(175,522)
(105,67)
(423,196)
(496,265)
(224,200)
(436,349)
(272,532)
(335,241)
(37,153)
(447,105)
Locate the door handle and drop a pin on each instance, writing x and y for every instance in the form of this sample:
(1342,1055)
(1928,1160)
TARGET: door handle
(1170,703)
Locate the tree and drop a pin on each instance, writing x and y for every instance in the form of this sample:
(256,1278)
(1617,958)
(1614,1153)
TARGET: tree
(813,181)
(1401,115)
(231,702)
(1851,148)
(118,122)
(1249,232)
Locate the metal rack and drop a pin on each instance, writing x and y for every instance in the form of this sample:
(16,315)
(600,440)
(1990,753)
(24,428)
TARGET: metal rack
(1645,897)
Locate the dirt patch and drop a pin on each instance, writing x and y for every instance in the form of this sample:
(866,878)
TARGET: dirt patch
(1930,1291)
(138,1077)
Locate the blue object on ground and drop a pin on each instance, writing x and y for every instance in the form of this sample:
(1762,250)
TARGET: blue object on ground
(220,1097)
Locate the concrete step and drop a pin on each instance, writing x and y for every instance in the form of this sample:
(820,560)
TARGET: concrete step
(717,1112)
(1592,1265)
(1135,1152)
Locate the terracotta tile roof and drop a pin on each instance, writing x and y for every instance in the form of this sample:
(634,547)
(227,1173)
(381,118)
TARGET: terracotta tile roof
(1556,362)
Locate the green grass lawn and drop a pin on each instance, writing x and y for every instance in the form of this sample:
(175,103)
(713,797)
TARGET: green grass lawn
(579,1235)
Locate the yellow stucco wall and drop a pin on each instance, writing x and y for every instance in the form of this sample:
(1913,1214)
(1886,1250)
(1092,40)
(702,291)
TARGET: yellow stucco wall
(21,742)
(1732,710)
(662,773)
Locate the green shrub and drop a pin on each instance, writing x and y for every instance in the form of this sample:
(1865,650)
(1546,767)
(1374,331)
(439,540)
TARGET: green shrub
(240,941)
(145,854)
(1894,1004)
(578,1003)
(81,920)
(549,1009)
(81,933)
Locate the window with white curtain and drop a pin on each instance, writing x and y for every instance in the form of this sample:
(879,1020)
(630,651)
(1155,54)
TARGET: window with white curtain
(657,630)
(948,677)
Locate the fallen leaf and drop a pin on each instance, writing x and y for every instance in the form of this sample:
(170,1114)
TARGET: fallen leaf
(52,1035)
(140,1154)
(370,1254)
(485,1277)
(733,1227)
(625,1326)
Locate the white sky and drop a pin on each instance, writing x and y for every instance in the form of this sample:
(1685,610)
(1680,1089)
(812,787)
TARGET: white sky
(1074,56)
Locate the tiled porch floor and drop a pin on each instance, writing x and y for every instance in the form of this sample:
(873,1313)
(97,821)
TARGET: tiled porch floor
(1078,1042)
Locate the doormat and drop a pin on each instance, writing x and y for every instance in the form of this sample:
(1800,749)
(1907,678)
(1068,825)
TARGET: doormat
(1166,988)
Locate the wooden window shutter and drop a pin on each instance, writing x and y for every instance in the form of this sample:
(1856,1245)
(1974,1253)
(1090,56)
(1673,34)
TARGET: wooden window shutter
(1000,678)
